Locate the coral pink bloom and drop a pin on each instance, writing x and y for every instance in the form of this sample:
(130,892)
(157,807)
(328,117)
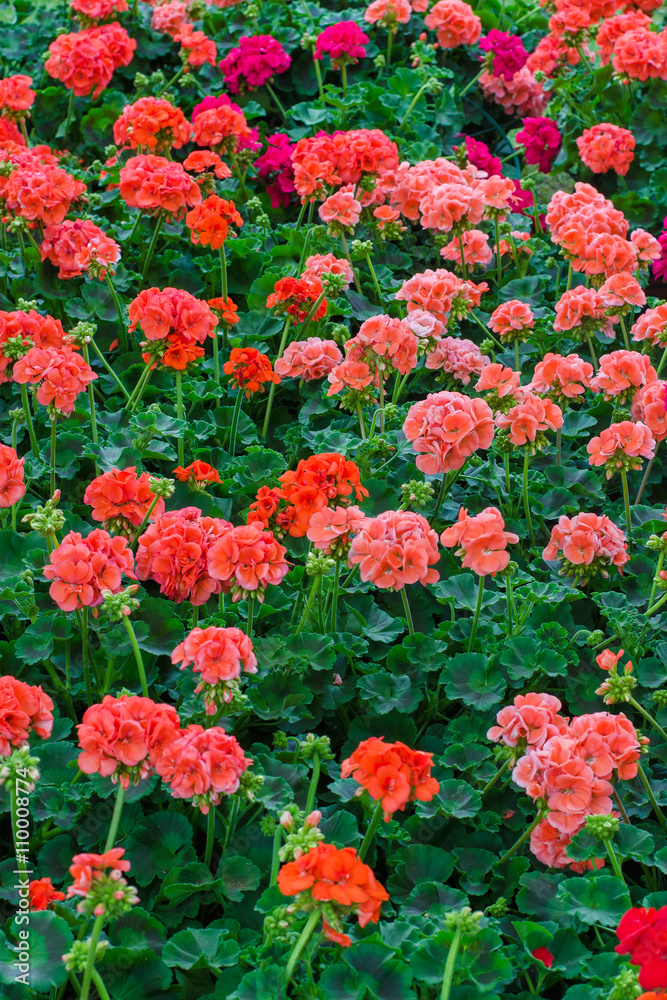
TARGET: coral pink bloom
(457,357)
(447,427)
(388,13)
(350,374)
(341,209)
(652,326)
(24,708)
(576,306)
(496,193)
(82,568)
(495,378)
(529,418)
(565,378)
(619,442)
(309,359)
(203,765)
(481,540)
(122,497)
(572,788)
(331,529)
(511,319)
(532,717)
(607,660)
(476,249)
(247,559)
(590,540)
(622,290)
(12,485)
(318,264)
(621,371)
(454,22)
(449,207)
(384,342)
(607,147)
(648,406)
(396,548)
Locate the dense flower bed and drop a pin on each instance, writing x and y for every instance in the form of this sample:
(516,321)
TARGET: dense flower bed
(333,525)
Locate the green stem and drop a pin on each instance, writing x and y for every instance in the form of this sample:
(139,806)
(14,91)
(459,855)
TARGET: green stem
(304,937)
(251,612)
(276,101)
(651,797)
(471,84)
(464,268)
(137,655)
(235,423)
(647,716)
(210,833)
(275,858)
(317,581)
(28,419)
(526,503)
(370,832)
(84,653)
(312,788)
(499,266)
(318,74)
(510,600)
(231,825)
(90,964)
(272,387)
(489,785)
(662,362)
(224,288)
(362,428)
(145,521)
(626,502)
(53,455)
(179,415)
(614,860)
(122,332)
(450,965)
(478,608)
(139,388)
(115,819)
(378,290)
(349,260)
(173,80)
(661,559)
(517,361)
(647,472)
(343,78)
(522,839)
(91,396)
(408,613)
(334,599)
(151,248)
(654,608)
(110,370)
(70,109)
(626,341)
(589,341)
(390,41)
(412,106)
(99,985)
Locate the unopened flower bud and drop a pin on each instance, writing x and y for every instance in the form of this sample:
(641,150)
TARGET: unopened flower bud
(660,698)
(595,638)
(465,919)
(76,958)
(361,247)
(416,494)
(120,605)
(82,333)
(21,765)
(46,520)
(286,820)
(319,564)
(498,909)
(313,819)
(161,486)
(18,415)
(602,827)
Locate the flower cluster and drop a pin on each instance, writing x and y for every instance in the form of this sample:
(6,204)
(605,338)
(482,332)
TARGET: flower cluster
(245,560)
(175,322)
(82,569)
(24,709)
(40,192)
(209,222)
(641,934)
(202,765)
(155,184)
(343,158)
(219,656)
(621,446)
(249,369)
(587,545)
(391,773)
(274,167)
(84,61)
(481,540)
(309,359)
(101,893)
(298,297)
(60,374)
(123,738)
(153,123)
(12,477)
(396,548)
(78,246)
(344,42)
(256,59)
(607,147)
(121,499)
(446,428)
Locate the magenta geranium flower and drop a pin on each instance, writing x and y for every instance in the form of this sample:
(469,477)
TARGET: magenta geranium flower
(344,42)
(542,142)
(509,55)
(255,60)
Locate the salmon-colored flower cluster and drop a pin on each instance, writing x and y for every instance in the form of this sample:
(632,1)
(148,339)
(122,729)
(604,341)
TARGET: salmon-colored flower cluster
(219,656)
(24,708)
(122,738)
(607,147)
(326,161)
(176,320)
(335,878)
(341,211)
(640,54)
(99,10)
(170,17)
(440,293)
(297,297)
(225,310)
(451,208)
(457,357)
(245,560)
(522,96)
(652,326)
(42,894)
(12,477)
(196,47)
(41,192)
(209,222)
(526,423)
(153,123)
(209,165)
(587,545)
(481,540)
(31,329)
(154,183)
(648,406)
(384,343)
(446,428)
(81,569)
(173,551)
(249,369)
(621,373)
(396,548)
(621,446)
(391,773)
(197,472)
(512,320)
(60,374)
(563,379)
(332,529)
(353,378)
(476,249)
(256,59)
(455,23)
(581,312)
(502,386)
(568,772)
(344,42)
(78,246)
(16,95)
(612,28)
(84,61)
(530,721)
(120,499)
(388,13)
(309,359)
(221,128)
(87,869)
(202,765)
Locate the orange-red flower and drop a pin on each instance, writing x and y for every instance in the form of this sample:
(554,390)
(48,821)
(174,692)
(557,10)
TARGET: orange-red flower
(152,122)
(42,894)
(81,569)
(197,472)
(296,297)
(24,708)
(249,370)
(391,773)
(209,222)
(481,540)
(12,484)
(225,310)
(153,183)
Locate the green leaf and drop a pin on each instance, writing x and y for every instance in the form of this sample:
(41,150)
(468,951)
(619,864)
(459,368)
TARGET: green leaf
(238,875)
(387,692)
(462,590)
(601,900)
(455,798)
(471,679)
(49,937)
(419,863)
(200,948)
(160,844)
